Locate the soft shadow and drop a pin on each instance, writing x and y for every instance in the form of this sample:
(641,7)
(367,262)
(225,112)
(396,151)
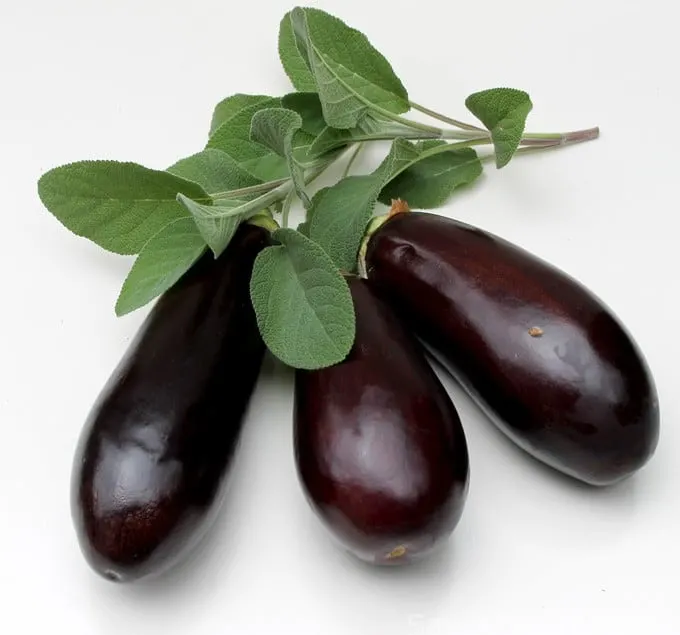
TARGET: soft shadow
(90,256)
(275,370)
(198,568)
(526,193)
(411,589)
(617,500)
(433,569)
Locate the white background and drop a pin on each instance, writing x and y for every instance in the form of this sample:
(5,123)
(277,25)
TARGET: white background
(534,553)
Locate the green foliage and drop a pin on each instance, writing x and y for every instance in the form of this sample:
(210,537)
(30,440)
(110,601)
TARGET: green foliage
(351,76)
(504,112)
(303,305)
(118,206)
(161,262)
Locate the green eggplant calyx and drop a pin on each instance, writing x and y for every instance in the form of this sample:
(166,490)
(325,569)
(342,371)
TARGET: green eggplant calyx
(399,206)
(264,220)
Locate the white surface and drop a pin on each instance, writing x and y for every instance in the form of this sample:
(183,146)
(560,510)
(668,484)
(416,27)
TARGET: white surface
(534,554)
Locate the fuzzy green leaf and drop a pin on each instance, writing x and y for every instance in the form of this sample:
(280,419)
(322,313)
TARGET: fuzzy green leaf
(504,112)
(402,154)
(217,224)
(118,206)
(351,75)
(232,116)
(232,137)
(330,139)
(303,227)
(293,63)
(429,181)
(260,162)
(160,264)
(308,106)
(370,127)
(303,305)
(339,215)
(275,128)
(214,170)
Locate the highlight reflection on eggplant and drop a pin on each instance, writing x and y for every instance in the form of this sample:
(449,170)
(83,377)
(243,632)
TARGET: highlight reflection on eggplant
(380,451)
(150,467)
(548,361)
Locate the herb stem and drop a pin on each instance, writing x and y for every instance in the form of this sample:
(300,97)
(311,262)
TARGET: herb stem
(287,203)
(538,146)
(318,171)
(453,122)
(471,132)
(409,123)
(269,198)
(357,150)
(407,134)
(324,160)
(275,195)
(281,189)
(455,134)
(253,189)
(529,139)
(563,138)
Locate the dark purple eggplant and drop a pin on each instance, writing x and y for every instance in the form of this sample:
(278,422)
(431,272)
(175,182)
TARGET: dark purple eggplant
(153,458)
(547,360)
(380,451)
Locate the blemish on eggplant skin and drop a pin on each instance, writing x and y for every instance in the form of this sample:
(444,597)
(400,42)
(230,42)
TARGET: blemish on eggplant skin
(397,552)
(535,331)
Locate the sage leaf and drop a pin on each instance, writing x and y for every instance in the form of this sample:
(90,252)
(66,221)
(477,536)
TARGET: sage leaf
(160,264)
(214,170)
(371,127)
(330,139)
(293,63)
(302,302)
(260,162)
(402,154)
(339,215)
(236,112)
(303,227)
(275,129)
(504,112)
(118,206)
(308,106)
(232,137)
(333,139)
(427,182)
(217,224)
(351,76)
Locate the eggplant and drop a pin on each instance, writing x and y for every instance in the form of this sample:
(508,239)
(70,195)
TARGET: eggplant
(379,448)
(152,460)
(544,357)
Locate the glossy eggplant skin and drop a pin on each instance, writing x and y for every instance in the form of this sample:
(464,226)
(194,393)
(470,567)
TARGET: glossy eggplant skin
(379,447)
(547,360)
(151,465)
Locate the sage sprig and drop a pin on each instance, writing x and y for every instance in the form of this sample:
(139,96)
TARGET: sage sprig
(262,153)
